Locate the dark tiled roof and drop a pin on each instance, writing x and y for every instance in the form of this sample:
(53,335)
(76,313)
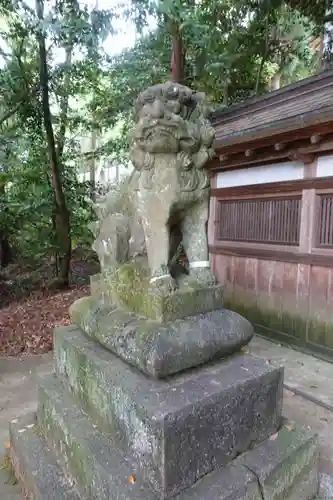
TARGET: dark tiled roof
(291,108)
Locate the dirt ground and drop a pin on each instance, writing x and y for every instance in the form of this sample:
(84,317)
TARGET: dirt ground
(18,395)
(30,307)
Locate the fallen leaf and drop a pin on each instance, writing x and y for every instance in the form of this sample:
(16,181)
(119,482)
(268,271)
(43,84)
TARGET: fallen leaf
(7,445)
(26,325)
(289,427)
(273,437)
(268,362)
(132,479)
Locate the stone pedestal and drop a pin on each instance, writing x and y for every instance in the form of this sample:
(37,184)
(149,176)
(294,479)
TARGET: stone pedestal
(161,406)
(179,429)
(104,430)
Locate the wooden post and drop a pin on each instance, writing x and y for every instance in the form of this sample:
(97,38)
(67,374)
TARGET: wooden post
(308,221)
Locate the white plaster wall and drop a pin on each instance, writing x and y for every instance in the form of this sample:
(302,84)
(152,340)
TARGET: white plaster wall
(325,166)
(278,172)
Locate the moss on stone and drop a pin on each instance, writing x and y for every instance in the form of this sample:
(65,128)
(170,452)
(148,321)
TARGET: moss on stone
(71,454)
(127,287)
(6,466)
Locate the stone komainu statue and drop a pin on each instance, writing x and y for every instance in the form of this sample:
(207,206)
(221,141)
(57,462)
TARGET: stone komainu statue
(166,199)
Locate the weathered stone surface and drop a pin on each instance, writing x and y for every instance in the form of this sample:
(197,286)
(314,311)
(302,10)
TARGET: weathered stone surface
(170,145)
(181,428)
(287,466)
(228,483)
(103,470)
(128,287)
(35,466)
(157,349)
(50,482)
(102,467)
(96,285)
(283,467)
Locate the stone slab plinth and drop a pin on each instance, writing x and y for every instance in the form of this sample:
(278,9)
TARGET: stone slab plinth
(287,464)
(180,428)
(128,287)
(35,466)
(78,453)
(161,350)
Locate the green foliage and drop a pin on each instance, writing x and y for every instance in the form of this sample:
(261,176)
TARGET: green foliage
(26,196)
(233,49)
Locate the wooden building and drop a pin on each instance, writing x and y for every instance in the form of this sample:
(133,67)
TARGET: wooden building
(271,220)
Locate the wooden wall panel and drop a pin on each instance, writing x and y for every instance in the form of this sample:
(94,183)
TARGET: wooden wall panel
(289,302)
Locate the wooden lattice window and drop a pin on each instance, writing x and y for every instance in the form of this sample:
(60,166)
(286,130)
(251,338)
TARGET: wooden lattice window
(325,221)
(265,220)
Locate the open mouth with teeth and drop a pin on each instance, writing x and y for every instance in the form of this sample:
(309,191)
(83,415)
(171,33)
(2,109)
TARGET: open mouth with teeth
(164,127)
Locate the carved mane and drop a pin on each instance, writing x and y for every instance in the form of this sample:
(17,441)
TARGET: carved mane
(175,112)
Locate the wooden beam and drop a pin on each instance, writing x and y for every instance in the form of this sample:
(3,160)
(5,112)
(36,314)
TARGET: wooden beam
(280,146)
(274,188)
(267,154)
(272,254)
(297,155)
(315,139)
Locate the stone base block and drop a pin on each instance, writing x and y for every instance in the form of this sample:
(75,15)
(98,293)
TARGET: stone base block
(127,286)
(181,428)
(35,466)
(161,350)
(287,464)
(284,467)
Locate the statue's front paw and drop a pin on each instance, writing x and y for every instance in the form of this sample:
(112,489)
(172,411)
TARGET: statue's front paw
(162,285)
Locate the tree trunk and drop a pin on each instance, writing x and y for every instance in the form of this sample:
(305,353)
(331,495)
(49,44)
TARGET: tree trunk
(275,82)
(177,58)
(64,104)
(6,254)
(264,56)
(62,219)
(92,164)
(226,94)
(326,55)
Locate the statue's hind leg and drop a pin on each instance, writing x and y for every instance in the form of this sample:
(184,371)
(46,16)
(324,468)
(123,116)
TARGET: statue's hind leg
(195,241)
